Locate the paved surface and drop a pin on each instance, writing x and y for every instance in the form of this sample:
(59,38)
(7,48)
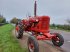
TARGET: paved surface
(47,46)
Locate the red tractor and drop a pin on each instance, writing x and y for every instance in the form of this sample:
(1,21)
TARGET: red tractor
(39,27)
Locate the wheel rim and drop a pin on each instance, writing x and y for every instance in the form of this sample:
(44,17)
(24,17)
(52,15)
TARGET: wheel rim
(57,40)
(31,47)
(17,31)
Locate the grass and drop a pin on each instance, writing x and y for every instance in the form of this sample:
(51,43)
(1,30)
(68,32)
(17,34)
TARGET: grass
(7,42)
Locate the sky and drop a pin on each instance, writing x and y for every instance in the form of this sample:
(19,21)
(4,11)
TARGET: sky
(58,10)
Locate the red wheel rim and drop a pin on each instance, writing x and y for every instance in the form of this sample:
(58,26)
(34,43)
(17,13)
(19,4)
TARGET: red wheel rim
(16,31)
(57,39)
(17,28)
(31,46)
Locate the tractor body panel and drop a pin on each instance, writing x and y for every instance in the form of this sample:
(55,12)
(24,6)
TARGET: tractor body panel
(38,24)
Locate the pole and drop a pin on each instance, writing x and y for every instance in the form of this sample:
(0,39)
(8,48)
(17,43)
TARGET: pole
(35,8)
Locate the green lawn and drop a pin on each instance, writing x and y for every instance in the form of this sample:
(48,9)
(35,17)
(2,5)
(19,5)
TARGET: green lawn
(7,42)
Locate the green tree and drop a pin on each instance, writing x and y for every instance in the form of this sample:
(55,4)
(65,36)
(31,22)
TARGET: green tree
(2,19)
(53,25)
(15,20)
(68,21)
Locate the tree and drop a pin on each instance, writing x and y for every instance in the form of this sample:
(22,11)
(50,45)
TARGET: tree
(53,25)
(15,20)
(2,19)
(68,21)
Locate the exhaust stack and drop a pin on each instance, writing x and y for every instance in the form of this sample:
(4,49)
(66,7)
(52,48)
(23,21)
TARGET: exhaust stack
(35,9)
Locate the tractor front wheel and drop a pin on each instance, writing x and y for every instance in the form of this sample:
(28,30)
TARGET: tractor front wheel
(32,44)
(58,40)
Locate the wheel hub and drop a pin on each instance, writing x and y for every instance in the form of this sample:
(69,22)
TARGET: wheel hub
(31,47)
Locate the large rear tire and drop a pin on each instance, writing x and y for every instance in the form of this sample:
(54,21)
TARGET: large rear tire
(33,44)
(19,32)
(58,40)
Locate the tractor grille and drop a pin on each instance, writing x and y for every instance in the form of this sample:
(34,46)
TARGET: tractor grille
(45,23)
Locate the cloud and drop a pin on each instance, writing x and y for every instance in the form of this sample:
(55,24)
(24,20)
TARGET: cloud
(58,10)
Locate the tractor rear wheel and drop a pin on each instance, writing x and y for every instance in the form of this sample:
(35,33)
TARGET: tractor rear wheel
(33,44)
(19,30)
(58,40)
